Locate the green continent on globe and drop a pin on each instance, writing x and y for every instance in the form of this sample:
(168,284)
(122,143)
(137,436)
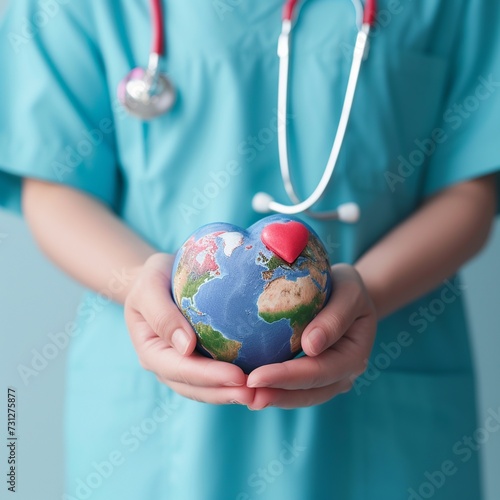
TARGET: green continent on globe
(216,344)
(192,273)
(192,285)
(298,301)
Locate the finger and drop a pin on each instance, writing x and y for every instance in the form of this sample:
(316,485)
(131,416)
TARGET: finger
(346,304)
(282,398)
(215,395)
(347,358)
(303,373)
(156,356)
(151,297)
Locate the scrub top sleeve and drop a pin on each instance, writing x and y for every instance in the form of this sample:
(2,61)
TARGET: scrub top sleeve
(467,139)
(56,121)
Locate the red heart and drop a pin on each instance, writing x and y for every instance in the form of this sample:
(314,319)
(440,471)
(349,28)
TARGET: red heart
(286,240)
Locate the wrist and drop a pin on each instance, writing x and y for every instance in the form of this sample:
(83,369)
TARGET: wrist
(372,295)
(122,281)
(157,262)
(375,290)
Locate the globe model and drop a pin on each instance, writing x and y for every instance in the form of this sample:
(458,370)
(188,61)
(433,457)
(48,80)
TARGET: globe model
(249,294)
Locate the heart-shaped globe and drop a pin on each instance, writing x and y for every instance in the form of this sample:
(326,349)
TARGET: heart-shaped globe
(249,294)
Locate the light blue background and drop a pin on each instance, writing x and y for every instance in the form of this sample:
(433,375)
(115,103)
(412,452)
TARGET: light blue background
(37,300)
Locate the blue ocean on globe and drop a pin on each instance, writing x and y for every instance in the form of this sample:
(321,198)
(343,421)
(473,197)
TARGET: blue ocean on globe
(247,305)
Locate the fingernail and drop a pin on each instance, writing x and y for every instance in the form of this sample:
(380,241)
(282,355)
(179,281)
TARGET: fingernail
(260,409)
(317,340)
(255,385)
(180,339)
(232,384)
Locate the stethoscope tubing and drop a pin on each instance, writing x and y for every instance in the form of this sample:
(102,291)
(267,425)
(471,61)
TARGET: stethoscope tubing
(265,203)
(158,43)
(147,94)
(317,194)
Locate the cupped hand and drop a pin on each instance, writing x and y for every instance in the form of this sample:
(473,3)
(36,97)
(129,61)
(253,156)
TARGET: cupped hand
(165,341)
(337,343)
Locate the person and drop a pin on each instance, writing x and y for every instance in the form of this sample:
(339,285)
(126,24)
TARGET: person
(110,199)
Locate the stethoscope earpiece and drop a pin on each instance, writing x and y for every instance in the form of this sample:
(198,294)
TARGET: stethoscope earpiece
(261,202)
(349,213)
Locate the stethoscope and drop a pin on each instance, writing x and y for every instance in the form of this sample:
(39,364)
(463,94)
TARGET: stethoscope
(147,93)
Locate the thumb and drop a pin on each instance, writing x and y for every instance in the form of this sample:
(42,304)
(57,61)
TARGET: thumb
(151,298)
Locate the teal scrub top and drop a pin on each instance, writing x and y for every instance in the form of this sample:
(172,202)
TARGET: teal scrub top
(426,116)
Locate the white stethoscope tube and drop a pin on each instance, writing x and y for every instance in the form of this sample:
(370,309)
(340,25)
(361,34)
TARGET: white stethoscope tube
(146,94)
(263,202)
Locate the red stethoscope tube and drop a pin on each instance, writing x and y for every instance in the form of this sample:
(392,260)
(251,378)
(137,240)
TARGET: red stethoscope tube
(158,46)
(289,9)
(369,11)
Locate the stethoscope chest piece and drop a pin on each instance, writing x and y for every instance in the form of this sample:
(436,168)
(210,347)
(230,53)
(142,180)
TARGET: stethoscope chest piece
(146,93)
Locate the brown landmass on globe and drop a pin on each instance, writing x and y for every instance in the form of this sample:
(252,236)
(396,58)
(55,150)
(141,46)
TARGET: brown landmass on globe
(299,301)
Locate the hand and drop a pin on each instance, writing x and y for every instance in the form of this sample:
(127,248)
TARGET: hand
(165,341)
(337,342)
